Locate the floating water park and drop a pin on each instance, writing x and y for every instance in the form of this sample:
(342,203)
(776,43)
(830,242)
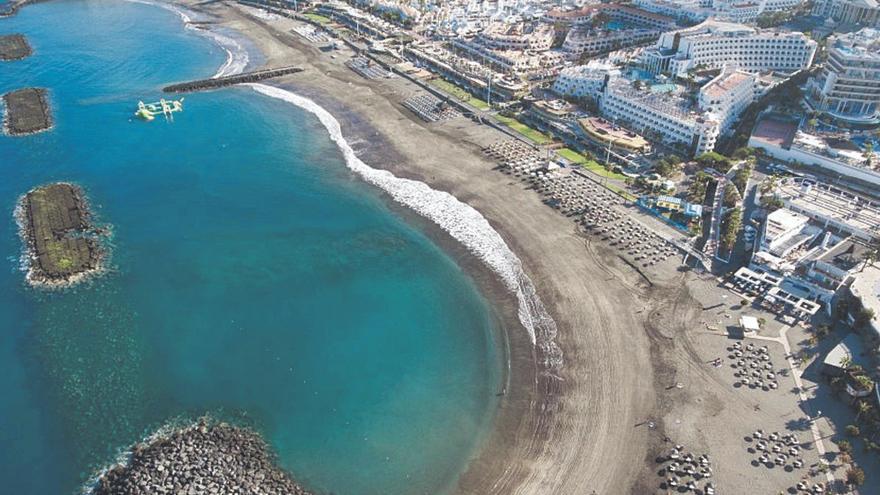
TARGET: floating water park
(149,111)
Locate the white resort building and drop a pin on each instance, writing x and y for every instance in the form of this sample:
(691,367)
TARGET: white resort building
(537,37)
(783,232)
(671,116)
(585,81)
(731,10)
(848,88)
(715,44)
(859,12)
(727,95)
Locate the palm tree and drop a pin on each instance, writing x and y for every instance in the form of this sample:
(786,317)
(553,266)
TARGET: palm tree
(863,408)
(845,362)
(871,255)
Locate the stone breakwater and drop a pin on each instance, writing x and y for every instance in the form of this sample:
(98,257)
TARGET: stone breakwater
(14,47)
(223,81)
(27,112)
(205,458)
(61,244)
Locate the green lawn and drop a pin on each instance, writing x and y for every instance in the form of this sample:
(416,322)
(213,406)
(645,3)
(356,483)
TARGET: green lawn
(459,93)
(571,155)
(533,135)
(621,192)
(318,18)
(579,159)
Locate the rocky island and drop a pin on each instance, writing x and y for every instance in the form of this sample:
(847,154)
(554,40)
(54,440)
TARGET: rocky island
(14,47)
(208,457)
(62,245)
(27,111)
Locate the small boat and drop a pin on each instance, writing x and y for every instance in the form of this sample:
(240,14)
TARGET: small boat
(149,111)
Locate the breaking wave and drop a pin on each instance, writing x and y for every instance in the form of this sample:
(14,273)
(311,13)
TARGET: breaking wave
(236,55)
(465,224)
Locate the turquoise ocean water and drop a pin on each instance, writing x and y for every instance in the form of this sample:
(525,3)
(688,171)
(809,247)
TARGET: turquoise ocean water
(252,277)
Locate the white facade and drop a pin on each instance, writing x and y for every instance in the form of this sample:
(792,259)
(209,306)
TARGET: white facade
(663,115)
(780,229)
(727,95)
(584,81)
(715,44)
(591,42)
(860,12)
(808,150)
(849,85)
(691,10)
(536,37)
(731,10)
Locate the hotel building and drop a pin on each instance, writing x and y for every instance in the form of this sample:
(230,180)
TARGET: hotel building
(672,117)
(848,87)
(585,81)
(716,44)
(859,12)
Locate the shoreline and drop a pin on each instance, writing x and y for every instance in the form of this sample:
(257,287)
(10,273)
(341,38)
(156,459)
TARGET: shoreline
(537,441)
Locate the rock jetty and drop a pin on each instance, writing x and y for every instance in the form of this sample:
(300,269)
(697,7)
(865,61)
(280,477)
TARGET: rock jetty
(27,111)
(14,47)
(220,82)
(12,7)
(62,245)
(206,458)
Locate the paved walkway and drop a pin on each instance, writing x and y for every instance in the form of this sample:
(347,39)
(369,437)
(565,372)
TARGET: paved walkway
(796,374)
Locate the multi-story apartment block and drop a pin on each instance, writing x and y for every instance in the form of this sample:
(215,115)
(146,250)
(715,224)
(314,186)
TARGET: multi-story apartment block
(512,62)
(731,10)
(536,37)
(587,41)
(622,13)
(716,44)
(727,95)
(860,12)
(690,10)
(848,87)
(585,81)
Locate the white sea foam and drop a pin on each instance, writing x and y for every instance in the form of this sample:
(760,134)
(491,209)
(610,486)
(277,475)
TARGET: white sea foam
(461,221)
(465,224)
(236,56)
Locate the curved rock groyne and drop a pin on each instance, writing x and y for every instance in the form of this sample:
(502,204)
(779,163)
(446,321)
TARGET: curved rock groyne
(205,458)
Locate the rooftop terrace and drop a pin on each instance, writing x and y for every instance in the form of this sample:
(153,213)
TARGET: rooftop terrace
(829,202)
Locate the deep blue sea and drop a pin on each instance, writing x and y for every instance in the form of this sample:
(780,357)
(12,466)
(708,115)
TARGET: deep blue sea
(252,277)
